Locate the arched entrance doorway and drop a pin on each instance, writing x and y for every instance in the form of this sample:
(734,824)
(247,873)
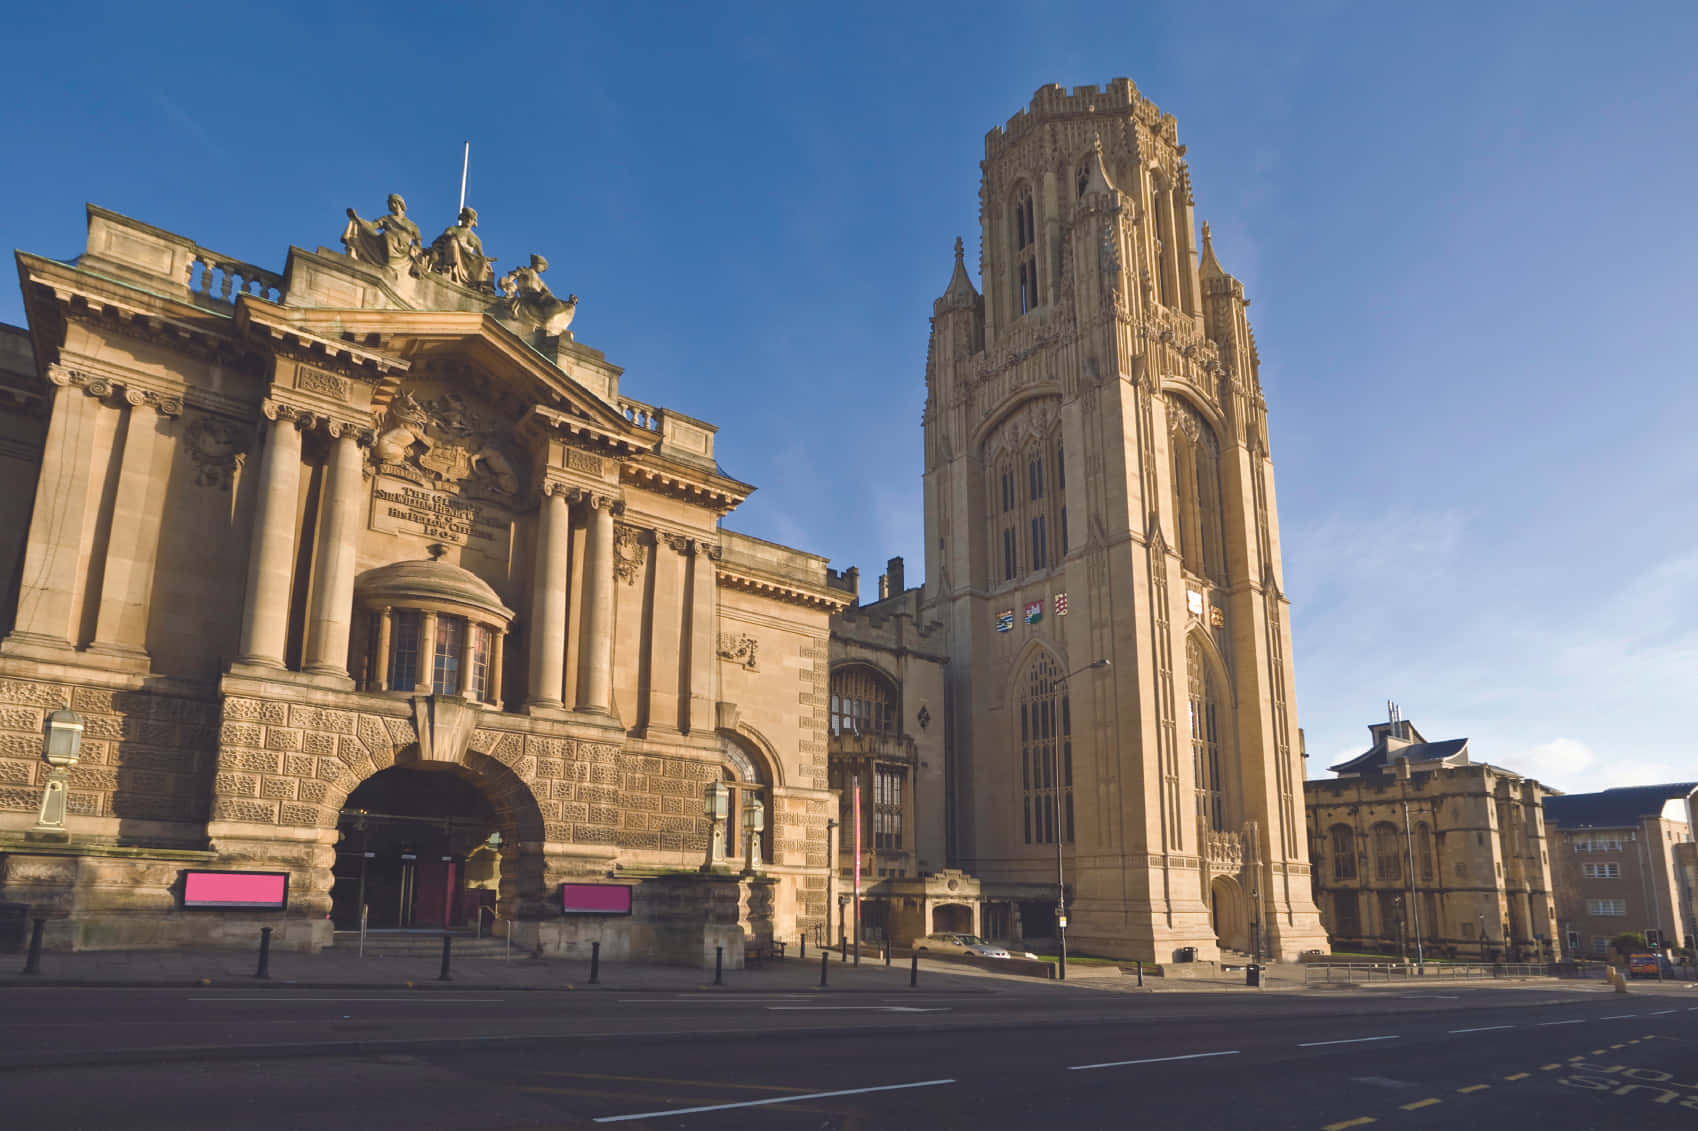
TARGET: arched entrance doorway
(952,918)
(1226,913)
(419,848)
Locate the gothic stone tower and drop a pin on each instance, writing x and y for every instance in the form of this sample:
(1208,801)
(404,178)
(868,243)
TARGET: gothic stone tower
(1098,486)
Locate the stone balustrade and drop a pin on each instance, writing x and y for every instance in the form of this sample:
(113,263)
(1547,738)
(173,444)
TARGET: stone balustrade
(219,277)
(640,414)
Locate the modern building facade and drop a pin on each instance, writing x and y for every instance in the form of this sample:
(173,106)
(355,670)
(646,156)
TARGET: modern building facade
(1616,858)
(368,573)
(1420,851)
(1098,486)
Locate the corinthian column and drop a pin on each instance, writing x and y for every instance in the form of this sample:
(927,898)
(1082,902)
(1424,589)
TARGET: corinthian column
(548,602)
(121,624)
(598,626)
(271,557)
(333,583)
(67,491)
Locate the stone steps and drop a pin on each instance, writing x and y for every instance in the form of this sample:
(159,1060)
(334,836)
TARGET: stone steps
(426,944)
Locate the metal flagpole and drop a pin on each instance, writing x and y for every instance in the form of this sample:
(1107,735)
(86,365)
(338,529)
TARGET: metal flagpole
(465,164)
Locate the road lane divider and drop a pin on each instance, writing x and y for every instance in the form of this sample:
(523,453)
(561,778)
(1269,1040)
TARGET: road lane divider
(1484,1029)
(1419,1104)
(1150,1060)
(1359,1121)
(773,1100)
(1473,1088)
(1346,1041)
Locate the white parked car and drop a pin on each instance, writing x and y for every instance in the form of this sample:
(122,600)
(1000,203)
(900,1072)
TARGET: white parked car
(958,944)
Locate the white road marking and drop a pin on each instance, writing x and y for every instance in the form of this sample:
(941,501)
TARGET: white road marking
(1484,1029)
(1621,1016)
(1351,1041)
(775,1100)
(1576,1021)
(437,999)
(1151,1060)
(847,1008)
(1429,997)
(1658,1012)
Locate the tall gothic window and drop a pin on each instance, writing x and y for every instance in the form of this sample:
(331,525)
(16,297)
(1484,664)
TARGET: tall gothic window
(1195,459)
(862,701)
(887,809)
(1207,730)
(1046,754)
(1388,853)
(1343,853)
(1025,251)
(1424,857)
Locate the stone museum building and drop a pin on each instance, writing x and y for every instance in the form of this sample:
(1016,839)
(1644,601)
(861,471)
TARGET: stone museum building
(367,573)
(1420,851)
(1098,487)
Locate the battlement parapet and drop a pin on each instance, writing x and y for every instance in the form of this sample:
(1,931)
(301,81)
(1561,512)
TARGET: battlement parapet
(1055,101)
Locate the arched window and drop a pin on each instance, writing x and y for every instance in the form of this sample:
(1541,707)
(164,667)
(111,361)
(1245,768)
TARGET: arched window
(743,776)
(1343,852)
(1208,730)
(1195,465)
(863,701)
(1046,754)
(1388,853)
(1025,251)
(1424,855)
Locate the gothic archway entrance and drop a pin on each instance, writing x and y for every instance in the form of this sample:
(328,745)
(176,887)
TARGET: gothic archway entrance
(1226,913)
(419,849)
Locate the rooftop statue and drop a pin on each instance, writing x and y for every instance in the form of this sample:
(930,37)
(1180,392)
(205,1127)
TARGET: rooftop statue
(529,301)
(458,254)
(389,241)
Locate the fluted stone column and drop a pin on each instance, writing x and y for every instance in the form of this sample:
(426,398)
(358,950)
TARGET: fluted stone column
(132,546)
(704,638)
(385,632)
(271,559)
(424,680)
(548,603)
(497,645)
(598,627)
(333,584)
(68,488)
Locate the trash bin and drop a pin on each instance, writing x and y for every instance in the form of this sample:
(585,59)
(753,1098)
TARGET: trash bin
(1185,954)
(1252,975)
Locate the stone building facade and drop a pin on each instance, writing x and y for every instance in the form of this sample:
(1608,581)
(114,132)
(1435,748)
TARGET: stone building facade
(1098,486)
(1418,850)
(368,572)
(888,738)
(1617,860)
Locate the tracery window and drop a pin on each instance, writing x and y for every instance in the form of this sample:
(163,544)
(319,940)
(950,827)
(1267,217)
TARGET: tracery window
(1028,507)
(862,701)
(1388,854)
(1343,852)
(1046,754)
(887,809)
(1195,464)
(1207,731)
(1424,856)
(1025,252)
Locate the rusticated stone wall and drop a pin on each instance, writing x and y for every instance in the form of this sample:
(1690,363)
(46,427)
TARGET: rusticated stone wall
(146,756)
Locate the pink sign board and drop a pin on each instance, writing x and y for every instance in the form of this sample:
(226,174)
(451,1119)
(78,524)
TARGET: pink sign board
(595,899)
(240,890)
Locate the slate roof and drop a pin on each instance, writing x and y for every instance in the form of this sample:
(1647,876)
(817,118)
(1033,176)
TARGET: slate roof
(1622,807)
(1379,758)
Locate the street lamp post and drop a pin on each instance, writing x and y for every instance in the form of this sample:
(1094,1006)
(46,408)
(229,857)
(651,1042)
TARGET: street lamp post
(1060,877)
(716,804)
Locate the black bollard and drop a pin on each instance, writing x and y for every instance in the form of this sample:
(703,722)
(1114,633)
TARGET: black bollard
(887,952)
(914,969)
(1140,972)
(595,963)
(447,950)
(264,970)
(719,966)
(802,949)
(825,964)
(843,948)
(32,964)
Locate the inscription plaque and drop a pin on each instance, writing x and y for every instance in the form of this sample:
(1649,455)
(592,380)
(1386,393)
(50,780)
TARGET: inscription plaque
(400,507)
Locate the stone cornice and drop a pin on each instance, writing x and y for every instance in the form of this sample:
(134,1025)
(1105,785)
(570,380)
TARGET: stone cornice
(271,324)
(716,492)
(783,589)
(614,436)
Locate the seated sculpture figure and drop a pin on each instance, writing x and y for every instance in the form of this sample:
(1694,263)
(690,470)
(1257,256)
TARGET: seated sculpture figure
(458,253)
(388,241)
(529,301)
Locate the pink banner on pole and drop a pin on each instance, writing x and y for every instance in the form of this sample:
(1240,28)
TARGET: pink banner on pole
(857,859)
(248,890)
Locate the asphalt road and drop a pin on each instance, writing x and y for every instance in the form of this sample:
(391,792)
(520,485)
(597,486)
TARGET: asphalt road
(1551,1057)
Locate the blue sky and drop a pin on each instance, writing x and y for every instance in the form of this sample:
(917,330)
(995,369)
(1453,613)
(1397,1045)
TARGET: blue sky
(1468,231)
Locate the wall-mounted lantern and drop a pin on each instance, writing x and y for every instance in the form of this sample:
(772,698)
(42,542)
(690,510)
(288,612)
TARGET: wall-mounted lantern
(61,746)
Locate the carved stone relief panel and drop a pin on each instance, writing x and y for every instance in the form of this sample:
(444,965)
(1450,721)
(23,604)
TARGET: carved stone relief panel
(630,552)
(739,649)
(218,447)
